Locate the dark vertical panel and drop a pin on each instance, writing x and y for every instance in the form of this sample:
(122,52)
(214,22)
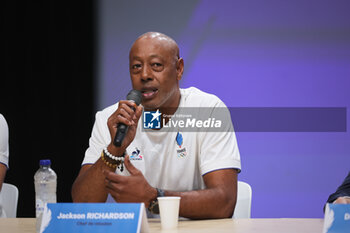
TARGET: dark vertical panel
(47,90)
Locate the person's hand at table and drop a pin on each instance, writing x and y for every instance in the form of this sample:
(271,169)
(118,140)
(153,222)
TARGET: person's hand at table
(133,188)
(342,200)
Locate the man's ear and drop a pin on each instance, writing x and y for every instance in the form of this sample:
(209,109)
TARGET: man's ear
(179,68)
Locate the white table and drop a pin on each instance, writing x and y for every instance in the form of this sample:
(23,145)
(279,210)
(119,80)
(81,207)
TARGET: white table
(257,225)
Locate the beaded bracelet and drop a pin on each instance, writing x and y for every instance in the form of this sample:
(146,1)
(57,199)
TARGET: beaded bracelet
(111,165)
(111,160)
(116,158)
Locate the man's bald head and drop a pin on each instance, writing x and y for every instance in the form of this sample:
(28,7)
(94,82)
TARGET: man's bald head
(155,70)
(161,40)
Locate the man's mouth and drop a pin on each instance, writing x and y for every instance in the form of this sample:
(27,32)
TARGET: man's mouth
(149,93)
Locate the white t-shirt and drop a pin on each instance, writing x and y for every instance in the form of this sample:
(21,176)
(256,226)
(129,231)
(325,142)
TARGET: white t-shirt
(159,156)
(4,152)
(4,141)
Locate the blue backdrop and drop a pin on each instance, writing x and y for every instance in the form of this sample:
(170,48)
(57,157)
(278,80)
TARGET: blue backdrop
(252,54)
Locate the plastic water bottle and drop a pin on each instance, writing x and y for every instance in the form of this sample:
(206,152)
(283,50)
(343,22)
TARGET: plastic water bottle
(45,181)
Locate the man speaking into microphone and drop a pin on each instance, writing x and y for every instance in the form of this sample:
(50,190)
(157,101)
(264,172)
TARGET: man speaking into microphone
(200,167)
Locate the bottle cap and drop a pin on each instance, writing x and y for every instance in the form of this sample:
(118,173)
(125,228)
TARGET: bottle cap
(45,162)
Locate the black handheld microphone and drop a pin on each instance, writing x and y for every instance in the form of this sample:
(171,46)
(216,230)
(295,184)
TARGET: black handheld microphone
(122,129)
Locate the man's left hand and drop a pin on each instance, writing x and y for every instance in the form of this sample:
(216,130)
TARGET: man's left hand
(133,188)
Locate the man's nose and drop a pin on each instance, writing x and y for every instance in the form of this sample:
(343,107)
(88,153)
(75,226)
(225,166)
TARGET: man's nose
(146,74)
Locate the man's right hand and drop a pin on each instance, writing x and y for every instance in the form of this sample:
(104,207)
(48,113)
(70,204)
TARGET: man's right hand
(126,115)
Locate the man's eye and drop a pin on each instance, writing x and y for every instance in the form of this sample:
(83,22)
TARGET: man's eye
(156,64)
(136,66)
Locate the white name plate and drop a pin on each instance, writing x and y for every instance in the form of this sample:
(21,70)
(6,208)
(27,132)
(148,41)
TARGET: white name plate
(94,217)
(337,218)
